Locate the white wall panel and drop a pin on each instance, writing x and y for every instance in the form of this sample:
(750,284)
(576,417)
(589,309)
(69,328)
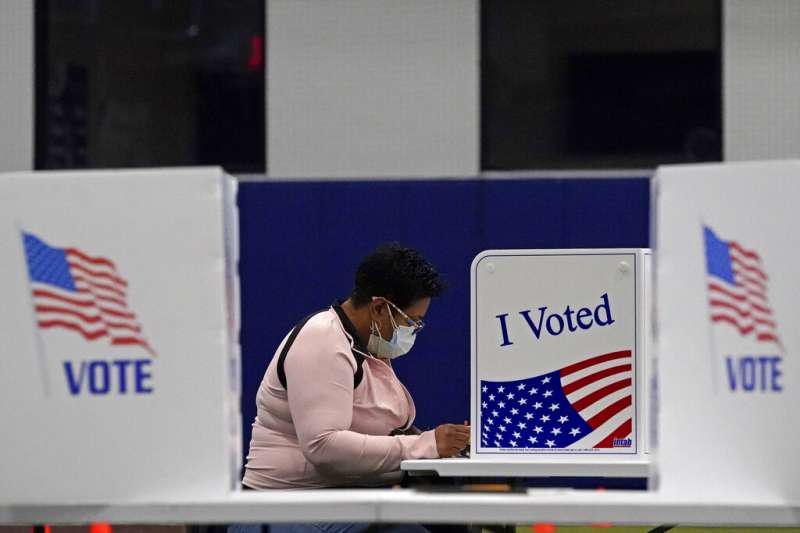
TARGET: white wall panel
(762,79)
(16,85)
(372,88)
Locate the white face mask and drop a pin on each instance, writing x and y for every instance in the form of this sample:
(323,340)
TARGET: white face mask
(402,340)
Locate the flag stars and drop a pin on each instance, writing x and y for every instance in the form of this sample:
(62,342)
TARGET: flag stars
(527,415)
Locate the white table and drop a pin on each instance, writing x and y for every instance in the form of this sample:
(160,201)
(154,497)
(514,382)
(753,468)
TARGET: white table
(531,467)
(408,505)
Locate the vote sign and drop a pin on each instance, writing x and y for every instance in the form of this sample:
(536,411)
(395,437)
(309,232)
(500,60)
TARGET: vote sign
(119,367)
(556,338)
(726,292)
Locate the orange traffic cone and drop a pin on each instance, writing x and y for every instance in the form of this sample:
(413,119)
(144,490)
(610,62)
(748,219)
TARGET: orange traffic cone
(100,527)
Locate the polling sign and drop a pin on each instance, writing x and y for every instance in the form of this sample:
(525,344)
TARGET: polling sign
(557,340)
(726,302)
(119,367)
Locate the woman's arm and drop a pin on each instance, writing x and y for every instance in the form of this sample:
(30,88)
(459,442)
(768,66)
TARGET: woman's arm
(320,394)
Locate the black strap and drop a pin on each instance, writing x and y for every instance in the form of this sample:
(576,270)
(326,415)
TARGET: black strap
(287,345)
(359,374)
(360,349)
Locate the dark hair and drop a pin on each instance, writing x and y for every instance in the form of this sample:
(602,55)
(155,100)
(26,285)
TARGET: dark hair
(397,273)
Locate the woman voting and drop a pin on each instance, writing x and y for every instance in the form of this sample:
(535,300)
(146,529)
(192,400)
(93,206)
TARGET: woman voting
(330,410)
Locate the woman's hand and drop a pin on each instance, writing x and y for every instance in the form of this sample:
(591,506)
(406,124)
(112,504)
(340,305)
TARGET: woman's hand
(451,439)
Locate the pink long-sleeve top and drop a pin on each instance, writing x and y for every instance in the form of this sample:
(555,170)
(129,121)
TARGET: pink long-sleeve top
(321,430)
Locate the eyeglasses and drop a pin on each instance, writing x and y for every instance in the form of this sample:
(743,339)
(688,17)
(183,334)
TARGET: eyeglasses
(416,324)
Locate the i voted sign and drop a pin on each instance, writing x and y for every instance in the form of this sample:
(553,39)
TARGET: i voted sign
(555,344)
(555,323)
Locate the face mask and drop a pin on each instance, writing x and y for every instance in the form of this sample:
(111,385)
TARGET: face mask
(402,340)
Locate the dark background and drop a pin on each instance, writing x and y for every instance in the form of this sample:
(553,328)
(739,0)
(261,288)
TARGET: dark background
(564,84)
(571,84)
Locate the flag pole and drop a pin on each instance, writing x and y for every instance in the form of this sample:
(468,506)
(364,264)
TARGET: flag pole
(36,333)
(714,355)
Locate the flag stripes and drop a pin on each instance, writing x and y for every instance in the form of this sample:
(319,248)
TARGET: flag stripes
(585,405)
(76,291)
(737,289)
(603,395)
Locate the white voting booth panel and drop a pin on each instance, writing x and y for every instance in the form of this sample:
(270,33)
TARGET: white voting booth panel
(558,378)
(556,353)
(727,342)
(557,368)
(119,361)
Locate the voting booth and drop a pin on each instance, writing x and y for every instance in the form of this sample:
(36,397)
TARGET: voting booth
(557,362)
(119,372)
(726,305)
(558,365)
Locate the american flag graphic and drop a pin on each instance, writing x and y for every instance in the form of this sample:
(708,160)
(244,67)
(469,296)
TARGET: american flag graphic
(586,405)
(82,293)
(737,289)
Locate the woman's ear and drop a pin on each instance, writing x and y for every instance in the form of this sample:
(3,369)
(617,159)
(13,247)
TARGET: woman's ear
(377,308)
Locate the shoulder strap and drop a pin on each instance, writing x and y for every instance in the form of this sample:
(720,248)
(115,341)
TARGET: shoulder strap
(357,377)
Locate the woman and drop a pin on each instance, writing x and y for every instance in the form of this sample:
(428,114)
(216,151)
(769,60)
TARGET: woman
(330,410)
